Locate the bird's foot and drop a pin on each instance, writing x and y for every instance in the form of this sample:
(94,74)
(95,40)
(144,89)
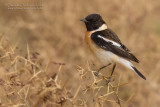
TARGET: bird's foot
(96,74)
(108,80)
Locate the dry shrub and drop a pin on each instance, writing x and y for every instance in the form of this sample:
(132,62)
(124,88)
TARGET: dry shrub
(25,81)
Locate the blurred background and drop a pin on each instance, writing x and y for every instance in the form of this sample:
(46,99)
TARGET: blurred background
(54,31)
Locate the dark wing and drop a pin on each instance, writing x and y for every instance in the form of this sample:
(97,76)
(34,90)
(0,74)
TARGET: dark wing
(109,34)
(110,42)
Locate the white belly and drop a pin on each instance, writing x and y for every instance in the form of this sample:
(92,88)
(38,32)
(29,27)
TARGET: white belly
(106,57)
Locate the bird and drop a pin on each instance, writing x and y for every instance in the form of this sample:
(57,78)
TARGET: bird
(106,46)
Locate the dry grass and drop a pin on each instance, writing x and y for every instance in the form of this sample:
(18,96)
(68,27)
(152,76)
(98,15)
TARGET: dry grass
(45,62)
(25,81)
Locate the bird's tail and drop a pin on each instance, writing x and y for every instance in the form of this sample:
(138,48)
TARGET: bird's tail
(139,73)
(128,64)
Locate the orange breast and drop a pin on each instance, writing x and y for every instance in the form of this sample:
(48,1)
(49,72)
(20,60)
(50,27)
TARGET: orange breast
(91,45)
(88,40)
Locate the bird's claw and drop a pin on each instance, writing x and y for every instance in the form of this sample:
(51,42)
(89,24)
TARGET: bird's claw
(96,74)
(108,80)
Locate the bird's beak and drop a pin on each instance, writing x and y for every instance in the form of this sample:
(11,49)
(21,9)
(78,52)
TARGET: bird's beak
(84,20)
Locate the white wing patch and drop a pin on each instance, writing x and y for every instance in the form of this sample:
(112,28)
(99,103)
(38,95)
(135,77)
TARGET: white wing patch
(107,40)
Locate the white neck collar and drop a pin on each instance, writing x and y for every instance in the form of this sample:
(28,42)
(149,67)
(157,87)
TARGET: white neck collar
(103,27)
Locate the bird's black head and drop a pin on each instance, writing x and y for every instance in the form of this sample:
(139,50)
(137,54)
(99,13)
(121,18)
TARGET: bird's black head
(93,22)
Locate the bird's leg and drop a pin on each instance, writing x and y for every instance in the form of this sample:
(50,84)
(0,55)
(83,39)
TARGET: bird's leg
(97,73)
(109,78)
(114,66)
